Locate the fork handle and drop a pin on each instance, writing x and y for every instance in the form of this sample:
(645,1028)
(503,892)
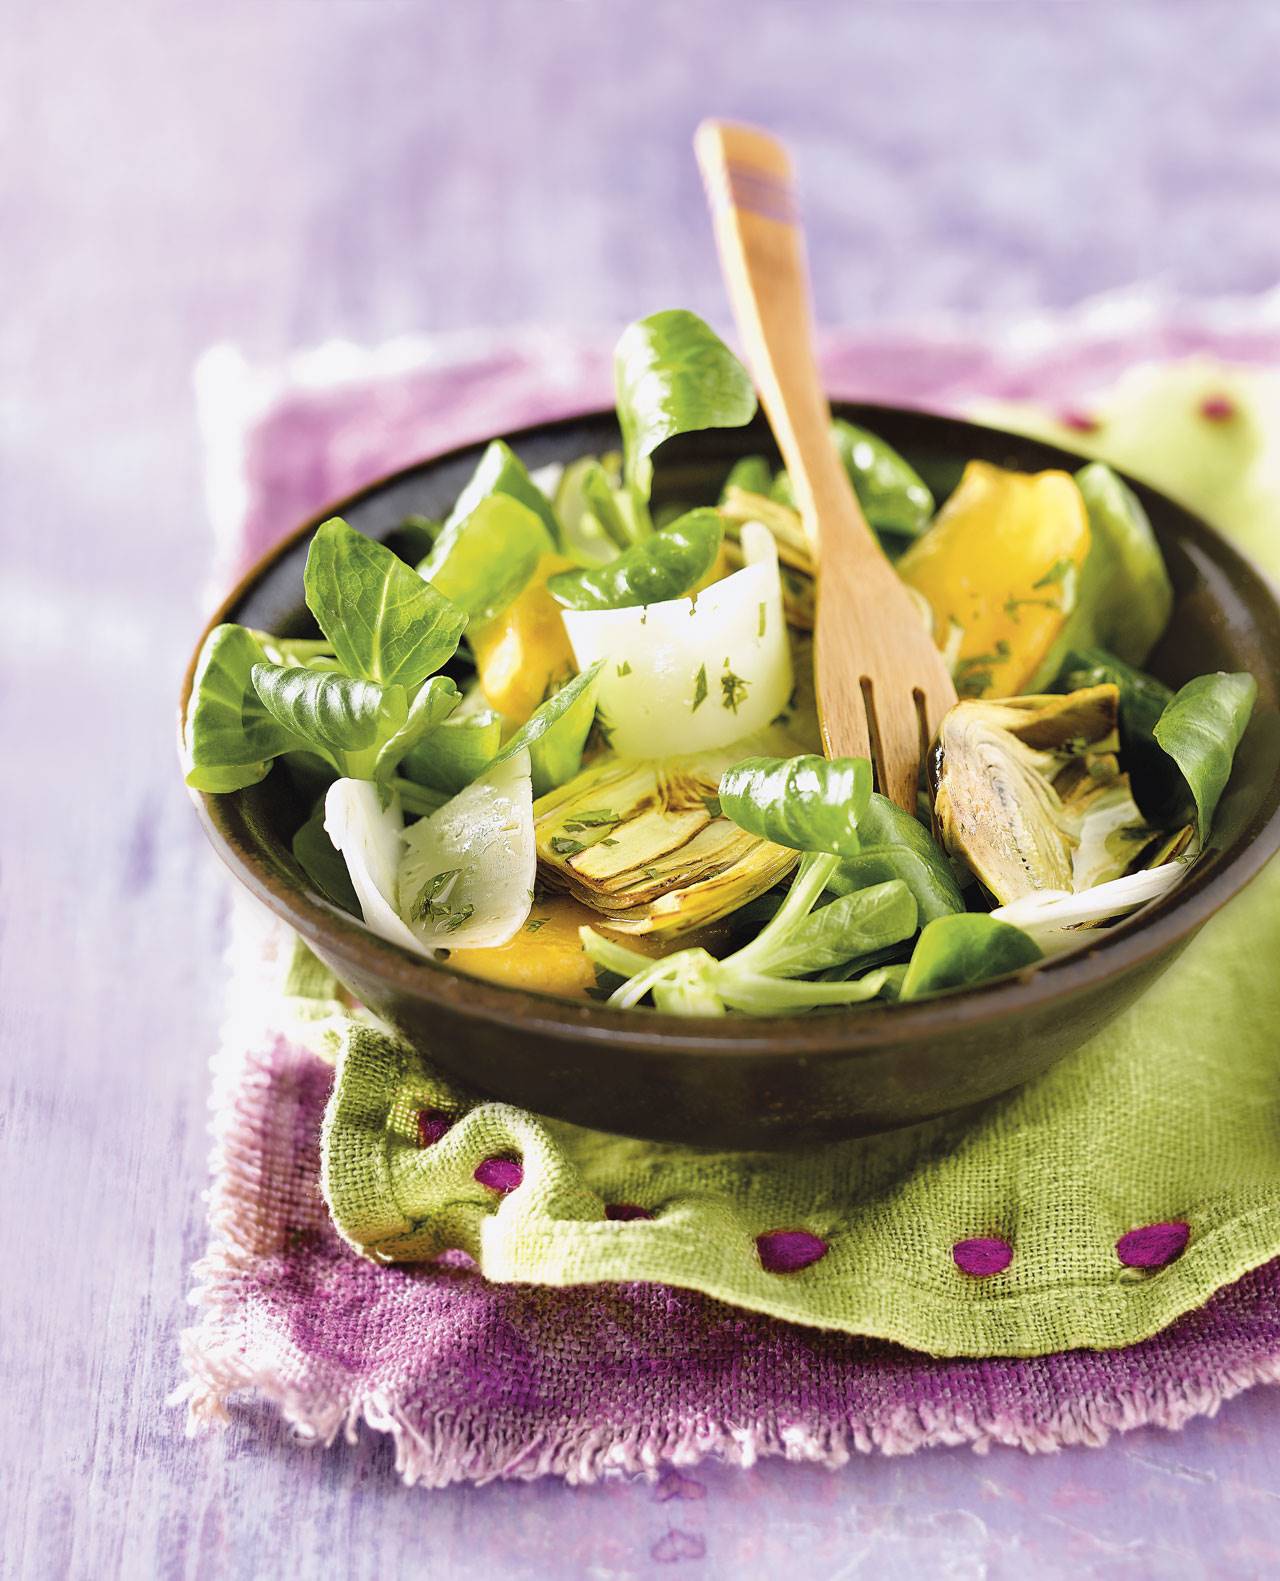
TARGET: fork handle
(748,179)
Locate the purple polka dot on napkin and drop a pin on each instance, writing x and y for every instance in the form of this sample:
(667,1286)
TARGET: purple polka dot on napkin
(500,1174)
(1153,1245)
(432,1124)
(787,1251)
(985,1255)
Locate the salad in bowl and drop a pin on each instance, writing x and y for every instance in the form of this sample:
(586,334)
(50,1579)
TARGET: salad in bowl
(566,740)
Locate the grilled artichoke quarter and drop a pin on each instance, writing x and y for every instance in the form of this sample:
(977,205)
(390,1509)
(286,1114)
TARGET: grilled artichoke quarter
(643,842)
(1028,793)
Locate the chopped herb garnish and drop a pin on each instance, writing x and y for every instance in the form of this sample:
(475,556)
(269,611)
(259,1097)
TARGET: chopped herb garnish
(534,923)
(1057,572)
(563,847)
(603,727)
(974,675)
(712,804)
(433,905)
(760,628)
(733,690)
(1013,605)
(599,818)
(699,689)
(624,668)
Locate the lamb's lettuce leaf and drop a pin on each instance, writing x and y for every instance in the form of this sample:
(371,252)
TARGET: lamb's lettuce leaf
(967,948)
(384,622)
(593,527)
(808,803)
(750,473)
(1123,597)
(1200,730)
(893,496)
(662,566)
(435,700)
(893,844)
(780,996)
(230,738)
(853,925)
(674,375)
(556,733)
(342,719)
(501,471)
(761,978)
(481,562)
(322,862)
(454,753)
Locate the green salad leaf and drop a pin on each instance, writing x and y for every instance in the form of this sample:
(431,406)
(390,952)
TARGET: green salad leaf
(435,700)
(501,471)
(230,738)
(808,803)
(455,752)
(342,719)
(761,978)
(592,523)
(853,925)
(753,474)
(322,862)
(556,733)
(674,375)
(893,844)
(662,566)
(967,948)
(1123,597)
(893,496)
(384,622)
(1201,729)
(481,562)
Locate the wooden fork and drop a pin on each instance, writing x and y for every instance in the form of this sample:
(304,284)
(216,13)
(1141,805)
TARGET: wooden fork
(882,685)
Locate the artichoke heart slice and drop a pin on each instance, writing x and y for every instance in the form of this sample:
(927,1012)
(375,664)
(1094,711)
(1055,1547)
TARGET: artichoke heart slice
(1028,793)
(643,843)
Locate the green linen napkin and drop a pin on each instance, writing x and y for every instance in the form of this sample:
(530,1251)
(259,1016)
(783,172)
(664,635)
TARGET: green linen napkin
(1169,1119)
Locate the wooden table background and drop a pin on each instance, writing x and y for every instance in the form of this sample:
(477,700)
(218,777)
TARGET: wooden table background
(273,174)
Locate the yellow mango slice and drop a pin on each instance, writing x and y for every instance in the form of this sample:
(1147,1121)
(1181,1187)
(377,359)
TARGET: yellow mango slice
(523,654)
(1001,563)
(547,957)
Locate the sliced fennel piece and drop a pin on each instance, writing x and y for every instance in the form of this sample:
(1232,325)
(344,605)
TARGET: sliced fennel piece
(460,878)
(371,840)
(692,674)
(465,880)
(1053,916)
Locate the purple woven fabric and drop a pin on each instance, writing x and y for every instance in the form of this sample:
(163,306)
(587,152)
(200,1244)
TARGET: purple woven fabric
(476,1380)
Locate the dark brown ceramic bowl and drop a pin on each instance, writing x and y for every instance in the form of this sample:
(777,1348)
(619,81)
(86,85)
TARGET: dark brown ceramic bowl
(783,1081)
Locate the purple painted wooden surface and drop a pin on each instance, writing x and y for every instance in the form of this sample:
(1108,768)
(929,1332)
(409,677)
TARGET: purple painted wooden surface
(274,174)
